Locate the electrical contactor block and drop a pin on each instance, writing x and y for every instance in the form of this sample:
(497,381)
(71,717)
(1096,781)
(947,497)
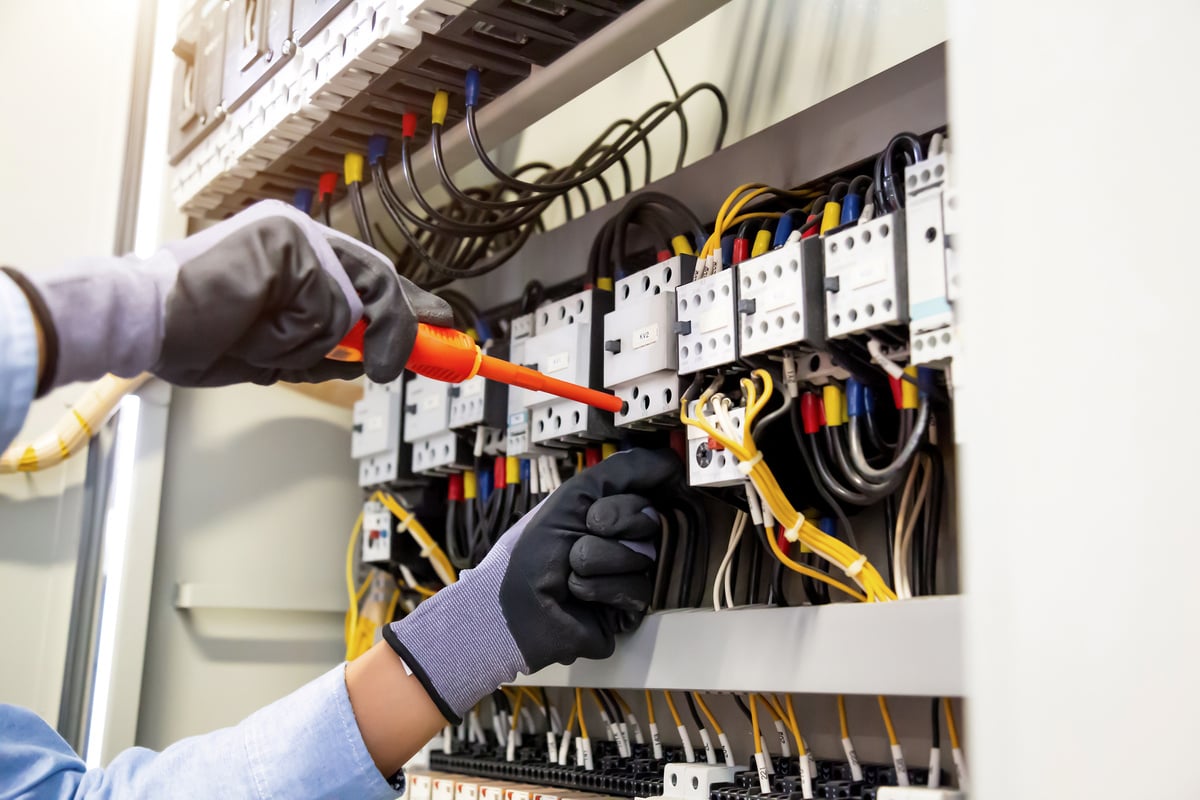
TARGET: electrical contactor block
(375,437)
(931,315)
(709,463)
(516,424)
(780,301)
(641,357)
(568,346)
(866,285)
(707,326)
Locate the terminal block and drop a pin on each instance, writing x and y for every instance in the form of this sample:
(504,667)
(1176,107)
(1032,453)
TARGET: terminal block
(866,284)
(709,463)
(707,326)
(780,300)
(375,438)
(568,345)
(199,60)
(641,357)
(931,315)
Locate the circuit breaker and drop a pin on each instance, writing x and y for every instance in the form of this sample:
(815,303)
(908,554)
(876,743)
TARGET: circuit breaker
(568,346)
(931,314)
(375,437)
(641,360)
(479,401)
(780,300)
(377,533)
(866,283)
(435,448)
(707,325)
(517,440)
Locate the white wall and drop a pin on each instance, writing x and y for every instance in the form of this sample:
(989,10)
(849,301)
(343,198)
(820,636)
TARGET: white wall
(771,58)
(62,145)
(1074,133)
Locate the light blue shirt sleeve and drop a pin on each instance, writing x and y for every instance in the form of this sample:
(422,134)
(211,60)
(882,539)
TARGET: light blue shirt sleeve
(18,359)
(306,745)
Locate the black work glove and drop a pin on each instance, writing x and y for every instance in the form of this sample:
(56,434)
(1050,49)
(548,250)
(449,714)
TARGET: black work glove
(557,586)
(260,297)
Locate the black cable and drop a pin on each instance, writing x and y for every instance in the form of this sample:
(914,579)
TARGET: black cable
(691,702)
(683,126)
(742,707)
(935,723)
(360,213)
(933,522)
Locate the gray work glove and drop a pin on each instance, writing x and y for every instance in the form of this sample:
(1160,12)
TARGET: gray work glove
(559,585)
(260,297)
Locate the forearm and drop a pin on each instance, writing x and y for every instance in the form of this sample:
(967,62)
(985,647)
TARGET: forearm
(395,715)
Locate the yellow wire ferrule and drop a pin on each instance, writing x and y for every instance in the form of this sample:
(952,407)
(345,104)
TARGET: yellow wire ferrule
(512,470)
(682,246)
(831,216)
(605,284)
(834,405)
(441,104)
(762,243)
(352,167)
(910,396)
(470,485)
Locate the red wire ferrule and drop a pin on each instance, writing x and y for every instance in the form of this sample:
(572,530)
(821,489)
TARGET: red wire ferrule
(408,125)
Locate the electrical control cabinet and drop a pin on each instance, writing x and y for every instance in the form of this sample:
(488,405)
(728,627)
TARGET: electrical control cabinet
(257,44)
(435,448)
(375,437)
(931,324)
(780,298)
(641,357)
(568,346)
(479,401)
(866,284)
(709,464)
(707,326)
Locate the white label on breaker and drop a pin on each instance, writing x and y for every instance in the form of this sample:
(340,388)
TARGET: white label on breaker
(557,362)
(644,337)
(429,402)
(867,273)
(773,300)
(713,320)
(472,388)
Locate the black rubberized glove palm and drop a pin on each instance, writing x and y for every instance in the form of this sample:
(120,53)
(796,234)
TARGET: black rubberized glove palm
(260,297)
(559,585)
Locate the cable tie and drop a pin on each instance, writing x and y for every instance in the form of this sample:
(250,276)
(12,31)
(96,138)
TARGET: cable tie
(749,464)
(792,534)
(855,567)
(402,527)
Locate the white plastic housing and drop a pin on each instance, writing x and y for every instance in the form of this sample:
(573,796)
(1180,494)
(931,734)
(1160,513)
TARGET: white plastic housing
(784,289)
(707,308)
(708,467)
(865,282)
(375,440)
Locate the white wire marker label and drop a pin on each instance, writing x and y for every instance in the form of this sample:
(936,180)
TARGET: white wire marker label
(935,768)
(551,747)
(960,768)
(806,787)
(726,750)
(785,749)
(689,752)
(710,755)
(764,779)
(855,768)
(901,767)
(656,741)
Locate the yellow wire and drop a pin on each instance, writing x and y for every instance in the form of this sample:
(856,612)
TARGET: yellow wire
(841,701)
(754,726)
(704,707)
(579,706)
(599,703)
(826,546)
(674,711)
(516,712)
(352,610)
(650,707)
(432,551)
(795,726)
(775,715)
(423,591)
(571,720)
(887,721)
(532,695)
(391,609)
(951,728)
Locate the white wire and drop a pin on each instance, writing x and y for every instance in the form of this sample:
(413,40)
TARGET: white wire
(906,521)
(735,535)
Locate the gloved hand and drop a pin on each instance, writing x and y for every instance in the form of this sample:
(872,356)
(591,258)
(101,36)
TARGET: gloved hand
(557,586)
(261,297)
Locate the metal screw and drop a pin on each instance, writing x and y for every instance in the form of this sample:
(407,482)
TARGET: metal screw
(287,47)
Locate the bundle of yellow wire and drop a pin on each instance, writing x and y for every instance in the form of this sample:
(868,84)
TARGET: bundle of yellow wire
(730,213)
(797,528)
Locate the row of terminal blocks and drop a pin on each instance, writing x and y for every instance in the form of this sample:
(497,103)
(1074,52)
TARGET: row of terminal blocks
(484,777)
(269,94)
(658,328)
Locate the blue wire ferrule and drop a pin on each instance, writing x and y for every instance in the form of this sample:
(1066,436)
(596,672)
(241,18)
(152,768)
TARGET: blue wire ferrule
(925,380)
(828,525)
(485,484)
(471,87)
(854,398)
(727,248)
(377,147)
(525,471)
(783,230)
(481,327)
(868,400)
(303,200)
(852,208)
